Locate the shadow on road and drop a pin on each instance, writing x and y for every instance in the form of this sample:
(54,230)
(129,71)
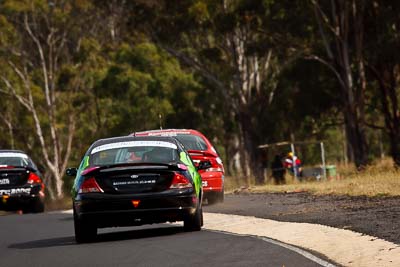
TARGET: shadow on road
(105,237)
(139,234)
(45,243)
(69,218)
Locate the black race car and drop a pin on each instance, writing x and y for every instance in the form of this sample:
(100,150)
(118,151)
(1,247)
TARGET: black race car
(21,183)
(127,181)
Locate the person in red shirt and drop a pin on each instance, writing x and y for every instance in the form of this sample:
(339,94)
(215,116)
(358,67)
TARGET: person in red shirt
(293,164)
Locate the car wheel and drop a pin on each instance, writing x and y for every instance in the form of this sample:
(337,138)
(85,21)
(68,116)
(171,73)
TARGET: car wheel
(37,206)
(194,221)
(211,198)
(220,196)
(84,231)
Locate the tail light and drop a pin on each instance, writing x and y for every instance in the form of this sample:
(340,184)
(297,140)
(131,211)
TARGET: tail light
(90,186)
(216,166)
(180,182)
(34,179)
(212,169)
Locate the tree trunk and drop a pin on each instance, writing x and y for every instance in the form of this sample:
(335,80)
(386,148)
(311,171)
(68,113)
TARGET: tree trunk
(339,55)
(386,77)
(250,137)
(356,142)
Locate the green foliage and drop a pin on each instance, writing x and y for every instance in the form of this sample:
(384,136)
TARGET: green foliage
(144,83)
(114,73)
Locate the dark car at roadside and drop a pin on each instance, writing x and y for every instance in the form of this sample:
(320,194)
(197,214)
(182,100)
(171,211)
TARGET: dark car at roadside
(129,181)
(21,183)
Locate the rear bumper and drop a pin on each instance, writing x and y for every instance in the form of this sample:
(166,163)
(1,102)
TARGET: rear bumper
(212,181)
(17,202)
(19,197)
(108,211)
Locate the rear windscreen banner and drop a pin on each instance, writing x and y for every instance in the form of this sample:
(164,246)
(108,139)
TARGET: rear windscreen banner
(13,155)
(133,144)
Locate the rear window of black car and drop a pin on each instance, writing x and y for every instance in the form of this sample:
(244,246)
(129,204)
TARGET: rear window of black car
(192,142)
(134,152)
(15,159)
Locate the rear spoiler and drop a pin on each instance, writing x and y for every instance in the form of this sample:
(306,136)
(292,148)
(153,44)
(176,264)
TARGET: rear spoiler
(16,168)
(132,166)
(201,153)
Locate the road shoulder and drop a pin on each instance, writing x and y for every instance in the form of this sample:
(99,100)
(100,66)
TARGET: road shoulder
(345,247)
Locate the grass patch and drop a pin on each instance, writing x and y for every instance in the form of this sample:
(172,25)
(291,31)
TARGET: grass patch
(378,180)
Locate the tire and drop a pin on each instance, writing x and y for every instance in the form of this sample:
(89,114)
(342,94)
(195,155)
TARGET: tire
(215,197)
(220,196)
(211,199)
(194,221)
(37,206)
(84,231)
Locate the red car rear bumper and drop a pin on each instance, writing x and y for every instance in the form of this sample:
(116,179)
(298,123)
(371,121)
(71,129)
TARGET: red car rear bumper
(212,181)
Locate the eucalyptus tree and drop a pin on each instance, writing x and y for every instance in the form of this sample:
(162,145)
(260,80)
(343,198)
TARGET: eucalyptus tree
(341,30)
(383,66)
(229,44)
(42,51)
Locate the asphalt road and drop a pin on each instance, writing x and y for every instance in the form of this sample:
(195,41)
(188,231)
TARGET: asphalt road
(47,240)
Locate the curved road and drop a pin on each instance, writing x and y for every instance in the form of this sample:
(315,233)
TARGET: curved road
(47,240)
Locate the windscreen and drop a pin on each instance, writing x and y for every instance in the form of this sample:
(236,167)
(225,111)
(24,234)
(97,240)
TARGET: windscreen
(192,142)
(14,159)
(134,152)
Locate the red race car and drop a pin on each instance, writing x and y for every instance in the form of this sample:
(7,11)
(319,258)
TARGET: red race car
(200,149)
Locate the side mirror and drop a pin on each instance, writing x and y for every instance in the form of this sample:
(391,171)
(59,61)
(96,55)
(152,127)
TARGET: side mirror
(71,171)
(204,165)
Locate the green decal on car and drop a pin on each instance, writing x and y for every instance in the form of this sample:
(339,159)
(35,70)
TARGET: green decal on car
(192,170)
(84,164)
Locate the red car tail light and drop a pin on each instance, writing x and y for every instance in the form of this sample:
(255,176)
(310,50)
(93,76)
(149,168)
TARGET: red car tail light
(34,179)
(214,170)
(216,166)
(180,182)
(90,186)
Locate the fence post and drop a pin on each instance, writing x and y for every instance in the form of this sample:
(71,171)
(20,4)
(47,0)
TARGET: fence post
(293,161)
(323,160)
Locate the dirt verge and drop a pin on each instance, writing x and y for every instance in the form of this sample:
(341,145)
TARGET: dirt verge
(377,216)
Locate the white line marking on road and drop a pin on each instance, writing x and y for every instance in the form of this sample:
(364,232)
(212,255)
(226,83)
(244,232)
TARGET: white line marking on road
(297,250)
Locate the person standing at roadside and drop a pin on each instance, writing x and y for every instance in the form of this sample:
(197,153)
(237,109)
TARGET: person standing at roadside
(278,170)
(293,164)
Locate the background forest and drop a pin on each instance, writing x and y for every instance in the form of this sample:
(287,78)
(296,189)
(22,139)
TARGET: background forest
(244,72)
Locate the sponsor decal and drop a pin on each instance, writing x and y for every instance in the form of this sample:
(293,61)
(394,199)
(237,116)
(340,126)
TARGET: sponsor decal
(5,181)
(204,183)
(134,176)
(15,191)
(175,133)
(133,144)
(135,182)
(13,155)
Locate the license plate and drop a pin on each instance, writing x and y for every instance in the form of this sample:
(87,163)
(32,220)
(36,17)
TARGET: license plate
(204,183)
(5,181)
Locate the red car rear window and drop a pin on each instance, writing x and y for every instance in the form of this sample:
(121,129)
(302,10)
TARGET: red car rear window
(192,142)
